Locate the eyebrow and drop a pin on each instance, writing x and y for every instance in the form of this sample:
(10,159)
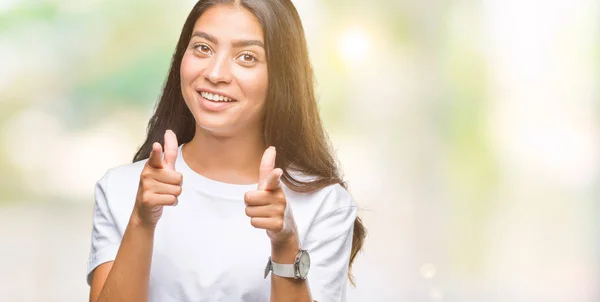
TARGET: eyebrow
(236,43)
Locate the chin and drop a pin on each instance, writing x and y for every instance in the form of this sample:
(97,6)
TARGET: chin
(222,124)
(216,129)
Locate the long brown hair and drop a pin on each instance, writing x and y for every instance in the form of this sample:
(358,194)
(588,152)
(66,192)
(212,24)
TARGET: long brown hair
(291,123)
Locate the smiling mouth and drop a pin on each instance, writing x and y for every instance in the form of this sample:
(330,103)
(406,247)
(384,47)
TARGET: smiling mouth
(216,97)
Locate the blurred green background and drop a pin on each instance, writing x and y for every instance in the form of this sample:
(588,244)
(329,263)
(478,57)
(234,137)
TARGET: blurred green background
(468,131)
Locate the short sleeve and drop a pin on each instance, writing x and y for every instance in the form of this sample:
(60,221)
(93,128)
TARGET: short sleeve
(105,235)
(329,242)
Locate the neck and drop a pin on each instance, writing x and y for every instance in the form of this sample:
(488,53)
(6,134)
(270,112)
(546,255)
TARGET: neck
(231,159)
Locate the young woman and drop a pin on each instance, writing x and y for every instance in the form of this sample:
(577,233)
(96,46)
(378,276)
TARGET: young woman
(234,149)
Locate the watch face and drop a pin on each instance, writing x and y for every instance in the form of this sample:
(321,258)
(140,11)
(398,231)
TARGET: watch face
(304,264)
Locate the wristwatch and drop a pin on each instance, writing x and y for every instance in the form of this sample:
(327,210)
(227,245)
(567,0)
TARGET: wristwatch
(297,270)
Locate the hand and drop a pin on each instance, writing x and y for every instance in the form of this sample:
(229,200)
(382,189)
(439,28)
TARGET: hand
(267,206)
(160,184)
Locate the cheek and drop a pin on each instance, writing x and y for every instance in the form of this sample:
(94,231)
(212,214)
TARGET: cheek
(189,69)
(255,85)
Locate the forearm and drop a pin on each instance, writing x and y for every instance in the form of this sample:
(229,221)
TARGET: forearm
(129,277)
(287,289)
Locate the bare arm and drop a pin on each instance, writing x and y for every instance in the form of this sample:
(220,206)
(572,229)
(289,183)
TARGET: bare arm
(98,279)
(267,208)
(127,278)
(287,289)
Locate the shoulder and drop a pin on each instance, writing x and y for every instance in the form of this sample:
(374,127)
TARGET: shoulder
(323,201)
(114,199)
(335,199)
(123,174)
(118,186)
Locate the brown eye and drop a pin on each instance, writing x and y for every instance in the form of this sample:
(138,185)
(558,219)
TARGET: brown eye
(203,48)
(247,58)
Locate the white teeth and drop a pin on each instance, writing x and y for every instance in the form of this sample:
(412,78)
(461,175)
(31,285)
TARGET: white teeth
(215,97)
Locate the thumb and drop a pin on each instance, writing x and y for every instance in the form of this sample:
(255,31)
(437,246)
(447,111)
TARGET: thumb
(267,164)
(170,149)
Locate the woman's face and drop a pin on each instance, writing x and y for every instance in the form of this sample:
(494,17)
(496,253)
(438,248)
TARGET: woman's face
(224,71)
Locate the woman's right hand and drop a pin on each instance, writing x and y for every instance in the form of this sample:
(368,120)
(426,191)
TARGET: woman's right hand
(160,184)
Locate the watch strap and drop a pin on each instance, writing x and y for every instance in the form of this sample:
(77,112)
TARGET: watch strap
(283,270)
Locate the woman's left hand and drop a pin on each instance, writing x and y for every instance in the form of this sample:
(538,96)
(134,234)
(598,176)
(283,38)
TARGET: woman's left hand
(267,206)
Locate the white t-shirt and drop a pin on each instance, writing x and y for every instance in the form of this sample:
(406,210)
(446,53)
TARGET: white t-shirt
(205,248)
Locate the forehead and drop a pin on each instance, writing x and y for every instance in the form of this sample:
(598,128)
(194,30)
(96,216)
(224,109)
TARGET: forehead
(227,22)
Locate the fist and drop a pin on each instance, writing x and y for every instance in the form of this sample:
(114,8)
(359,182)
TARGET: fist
(160,184)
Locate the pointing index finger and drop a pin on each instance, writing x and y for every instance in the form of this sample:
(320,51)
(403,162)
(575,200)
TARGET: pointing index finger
(272,182)
(155,159)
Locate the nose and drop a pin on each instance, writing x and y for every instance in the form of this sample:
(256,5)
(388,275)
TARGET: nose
(218,70)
